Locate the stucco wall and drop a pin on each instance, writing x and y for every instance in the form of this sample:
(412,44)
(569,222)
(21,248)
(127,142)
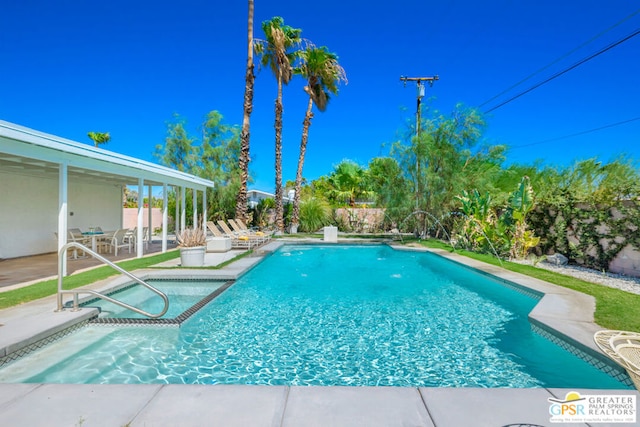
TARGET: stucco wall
(130,218)
(29,211)
(627,262)
(361,219)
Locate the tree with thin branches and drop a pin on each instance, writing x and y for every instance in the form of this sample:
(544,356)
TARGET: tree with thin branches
(323,74)
(278,53)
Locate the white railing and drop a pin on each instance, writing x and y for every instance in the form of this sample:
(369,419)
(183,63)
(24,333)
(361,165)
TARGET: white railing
(62,256)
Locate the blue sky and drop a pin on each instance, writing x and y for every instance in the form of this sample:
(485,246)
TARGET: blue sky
(126,67)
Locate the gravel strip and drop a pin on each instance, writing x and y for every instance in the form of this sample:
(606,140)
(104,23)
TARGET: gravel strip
(612,280)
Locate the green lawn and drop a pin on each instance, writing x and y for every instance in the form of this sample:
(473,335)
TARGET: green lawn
(615,309)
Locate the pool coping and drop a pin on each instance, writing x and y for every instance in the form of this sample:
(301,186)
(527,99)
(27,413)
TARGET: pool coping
(189,405)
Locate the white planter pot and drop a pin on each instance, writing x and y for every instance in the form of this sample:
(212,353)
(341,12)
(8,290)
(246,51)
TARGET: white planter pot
(192,257)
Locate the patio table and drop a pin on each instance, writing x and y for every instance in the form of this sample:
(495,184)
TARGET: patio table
(94,235)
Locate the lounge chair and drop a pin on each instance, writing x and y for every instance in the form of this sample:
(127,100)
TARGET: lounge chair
(236,242)
(256,240)
(266,232)
(213,228)
(623,347)
(258,235)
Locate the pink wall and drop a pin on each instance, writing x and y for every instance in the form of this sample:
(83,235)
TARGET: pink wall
(130,218)
(362,219)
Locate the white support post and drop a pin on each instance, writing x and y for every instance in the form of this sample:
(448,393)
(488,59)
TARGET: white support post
(165,216)
(194,204)
(204,210)
(177,217)
(183,206)
(139,235)
(62,212)
(150,211)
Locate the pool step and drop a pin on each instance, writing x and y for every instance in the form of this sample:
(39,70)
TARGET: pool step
(177,321)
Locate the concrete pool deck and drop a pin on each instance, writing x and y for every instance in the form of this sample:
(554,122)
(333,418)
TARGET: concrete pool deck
(568,312)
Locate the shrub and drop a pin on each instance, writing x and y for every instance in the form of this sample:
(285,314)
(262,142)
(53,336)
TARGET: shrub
(314,214)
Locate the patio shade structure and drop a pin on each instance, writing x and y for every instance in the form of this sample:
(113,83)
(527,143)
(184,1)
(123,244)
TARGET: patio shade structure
(90,182)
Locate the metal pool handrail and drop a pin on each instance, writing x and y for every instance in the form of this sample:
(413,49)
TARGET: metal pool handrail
(62,254)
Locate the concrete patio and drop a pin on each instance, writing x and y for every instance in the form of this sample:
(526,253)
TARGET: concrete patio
(234,405)
(53,405)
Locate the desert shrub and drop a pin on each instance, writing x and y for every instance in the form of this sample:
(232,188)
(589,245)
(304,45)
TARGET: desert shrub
(314,214)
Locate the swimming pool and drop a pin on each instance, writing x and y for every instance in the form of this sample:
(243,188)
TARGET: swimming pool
(331,315)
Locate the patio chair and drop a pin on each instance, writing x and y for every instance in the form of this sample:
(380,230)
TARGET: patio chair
(132,237)
(72,238)
(75,235)
(118,240)
(623,347)
(146,237)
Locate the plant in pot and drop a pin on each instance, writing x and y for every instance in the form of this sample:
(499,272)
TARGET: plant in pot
(193,245)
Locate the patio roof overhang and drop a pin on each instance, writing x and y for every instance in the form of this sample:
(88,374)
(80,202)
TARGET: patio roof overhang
(25,150)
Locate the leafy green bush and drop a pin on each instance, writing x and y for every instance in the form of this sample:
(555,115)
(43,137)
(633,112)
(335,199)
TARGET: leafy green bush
(503,234)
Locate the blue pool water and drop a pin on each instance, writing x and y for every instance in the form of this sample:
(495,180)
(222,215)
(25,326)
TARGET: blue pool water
(331,315)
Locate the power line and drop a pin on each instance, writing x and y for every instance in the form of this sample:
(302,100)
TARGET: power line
(560,58)
(577,134)
(566,70)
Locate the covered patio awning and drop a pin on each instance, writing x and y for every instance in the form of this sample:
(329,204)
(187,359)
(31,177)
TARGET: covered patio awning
(23,148)
(30,152)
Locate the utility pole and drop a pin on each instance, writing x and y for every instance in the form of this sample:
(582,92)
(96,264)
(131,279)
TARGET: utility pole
(420,94)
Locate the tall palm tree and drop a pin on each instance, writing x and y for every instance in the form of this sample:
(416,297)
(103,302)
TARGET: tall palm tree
(323,74)
(278,54)
(243,161)
(99,137)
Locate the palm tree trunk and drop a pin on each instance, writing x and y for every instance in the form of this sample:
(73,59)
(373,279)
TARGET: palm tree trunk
(243,162)
(303,150)
(278,127)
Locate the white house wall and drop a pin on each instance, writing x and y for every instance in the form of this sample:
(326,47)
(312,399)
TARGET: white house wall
(95,205)
(29,211)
